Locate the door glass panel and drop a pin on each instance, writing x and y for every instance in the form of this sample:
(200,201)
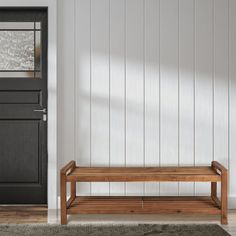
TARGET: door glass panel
(16,50)
(20,49)
(37,51)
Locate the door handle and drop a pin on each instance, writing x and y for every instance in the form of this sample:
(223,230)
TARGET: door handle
(44,110)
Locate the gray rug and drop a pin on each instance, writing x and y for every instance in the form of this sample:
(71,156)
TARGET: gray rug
(113,230)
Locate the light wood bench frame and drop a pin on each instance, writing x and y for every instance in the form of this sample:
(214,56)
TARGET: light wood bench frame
(117,205)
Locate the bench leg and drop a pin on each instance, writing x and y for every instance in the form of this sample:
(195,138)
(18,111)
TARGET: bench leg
(73,189)
(63,200)
(213,190)
(224,198)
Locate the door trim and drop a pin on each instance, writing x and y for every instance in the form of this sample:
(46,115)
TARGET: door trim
(52,89)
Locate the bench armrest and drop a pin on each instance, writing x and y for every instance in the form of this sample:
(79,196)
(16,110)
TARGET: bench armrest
(217,166)
(69,167)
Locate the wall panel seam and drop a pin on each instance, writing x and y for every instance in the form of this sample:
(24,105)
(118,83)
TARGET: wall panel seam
(229,93)
(178,103)
(90,91)
(159,89)
(109,90)
(75,84)
(144,87)
(213,80)
(125,93)
(194,89)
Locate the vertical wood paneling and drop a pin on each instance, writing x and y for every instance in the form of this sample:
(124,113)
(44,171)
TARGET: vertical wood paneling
(66,111)
(100,83)
(134,89)
(127,66)
(117,86)
(186,89)
(221,81)
(82,88)
(232,93)
(152,89)
(204,87)
(169,89)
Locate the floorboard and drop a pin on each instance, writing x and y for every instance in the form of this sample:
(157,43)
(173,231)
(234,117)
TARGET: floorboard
(23,214)
(39,214)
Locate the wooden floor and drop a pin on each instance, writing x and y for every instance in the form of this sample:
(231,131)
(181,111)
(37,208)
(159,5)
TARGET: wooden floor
(23,214)
(33,214)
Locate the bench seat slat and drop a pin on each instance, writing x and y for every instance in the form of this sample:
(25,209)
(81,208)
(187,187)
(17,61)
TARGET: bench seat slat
(133,174)
(140,205)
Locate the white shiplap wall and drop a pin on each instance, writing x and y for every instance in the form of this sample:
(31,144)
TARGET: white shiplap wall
(147,83)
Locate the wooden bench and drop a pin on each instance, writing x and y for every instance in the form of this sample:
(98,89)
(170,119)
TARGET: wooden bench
(129,205)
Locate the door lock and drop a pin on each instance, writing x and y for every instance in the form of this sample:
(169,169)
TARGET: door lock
(44,111)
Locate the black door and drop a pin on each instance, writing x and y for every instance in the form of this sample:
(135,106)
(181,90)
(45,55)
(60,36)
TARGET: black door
(23,106)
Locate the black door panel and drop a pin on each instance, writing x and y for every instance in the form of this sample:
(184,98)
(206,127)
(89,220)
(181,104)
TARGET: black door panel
(23,106)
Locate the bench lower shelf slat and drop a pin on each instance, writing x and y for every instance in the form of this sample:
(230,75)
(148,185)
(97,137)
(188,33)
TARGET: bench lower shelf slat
(142,205)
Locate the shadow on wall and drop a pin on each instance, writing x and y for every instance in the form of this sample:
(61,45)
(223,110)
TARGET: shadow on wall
(147,99)
(105,100)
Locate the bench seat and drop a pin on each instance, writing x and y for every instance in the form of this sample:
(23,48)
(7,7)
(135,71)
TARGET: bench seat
(144,204)
(134,174)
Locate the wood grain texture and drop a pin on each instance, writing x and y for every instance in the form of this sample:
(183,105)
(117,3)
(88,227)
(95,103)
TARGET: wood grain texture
(38,214)
(63,199)
(142,205)
(68,168)
(129,174)
(23,214)
(107,205)
(224,198)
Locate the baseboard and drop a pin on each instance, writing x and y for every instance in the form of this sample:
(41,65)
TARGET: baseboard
(231,201)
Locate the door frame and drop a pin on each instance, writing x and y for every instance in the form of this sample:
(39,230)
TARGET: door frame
(52,89)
